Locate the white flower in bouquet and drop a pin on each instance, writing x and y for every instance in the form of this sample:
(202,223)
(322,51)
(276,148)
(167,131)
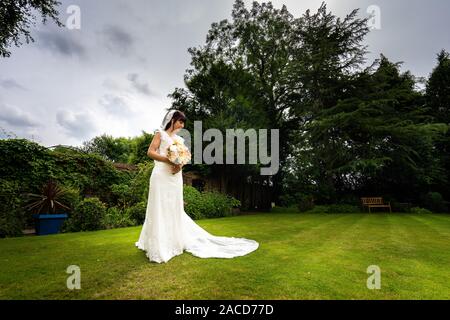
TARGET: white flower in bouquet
(178,153)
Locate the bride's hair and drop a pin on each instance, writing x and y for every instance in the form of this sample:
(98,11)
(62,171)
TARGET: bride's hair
(177,115)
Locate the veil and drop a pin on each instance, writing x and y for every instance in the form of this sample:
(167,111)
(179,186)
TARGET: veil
(167,118)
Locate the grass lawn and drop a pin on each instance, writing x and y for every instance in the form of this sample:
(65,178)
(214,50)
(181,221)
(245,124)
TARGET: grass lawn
(301,256)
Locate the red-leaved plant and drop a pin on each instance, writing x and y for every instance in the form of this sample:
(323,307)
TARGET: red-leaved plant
(49,199)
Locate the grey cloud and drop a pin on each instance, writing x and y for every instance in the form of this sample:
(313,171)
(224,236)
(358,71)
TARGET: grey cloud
(14,116)
(61,42)
(141,87)
(111,84)
(11,84)
(77,125)
(117,40)
(114,104)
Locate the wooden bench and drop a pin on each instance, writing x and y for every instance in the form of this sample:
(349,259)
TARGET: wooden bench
(374,202)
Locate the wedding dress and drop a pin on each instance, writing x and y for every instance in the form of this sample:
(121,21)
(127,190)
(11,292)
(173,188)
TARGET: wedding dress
(168,230)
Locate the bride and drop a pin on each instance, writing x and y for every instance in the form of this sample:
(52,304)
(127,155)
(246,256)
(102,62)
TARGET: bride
(167,229)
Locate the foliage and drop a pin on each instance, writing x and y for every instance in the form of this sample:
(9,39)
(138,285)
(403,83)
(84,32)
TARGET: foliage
(207,204)
(135,189)
(379,138)
(437,89)
(141,180)
(267,69)
(398,206)
(216,204)
(87,215)
(345,128)
(109,148)
(117,218)
(87,172)
(126,196)
(12,214)
(139,147)
(335,208)
(48,201)
(342,208)
(26,162)
(305,202)
(32,165)
(434,202)
(16,18)
(71,196)
(420,210)
(283,209)
(302,202)
(194,202)
(288,200)
(138,212)
(437,99)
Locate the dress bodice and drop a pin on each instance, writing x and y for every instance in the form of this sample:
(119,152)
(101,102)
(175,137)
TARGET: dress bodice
(166,141)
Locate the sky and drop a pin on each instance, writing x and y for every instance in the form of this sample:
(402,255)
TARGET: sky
(113,74)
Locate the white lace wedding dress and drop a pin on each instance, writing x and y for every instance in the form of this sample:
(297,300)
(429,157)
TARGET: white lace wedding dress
(168,230)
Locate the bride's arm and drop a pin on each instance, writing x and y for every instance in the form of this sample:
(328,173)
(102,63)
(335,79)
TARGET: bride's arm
(152,149)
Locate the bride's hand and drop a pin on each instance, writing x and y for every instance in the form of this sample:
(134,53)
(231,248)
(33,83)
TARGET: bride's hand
(176,168)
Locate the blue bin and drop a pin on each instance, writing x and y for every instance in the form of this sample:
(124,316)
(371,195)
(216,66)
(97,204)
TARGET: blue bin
(49,223)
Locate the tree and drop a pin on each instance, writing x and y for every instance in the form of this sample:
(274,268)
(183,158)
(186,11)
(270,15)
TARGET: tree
(438,89)
(267,69)
(110,148)
(139,147)
(380,139)
(438,100)
(16,16)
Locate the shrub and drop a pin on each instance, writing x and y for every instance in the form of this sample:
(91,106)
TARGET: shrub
(400,206)
(140,183)
(435,202)
(350,199)
(138,212)
(32,165)
(194,202)
(343,208)
(12,217)
(48,200)
(287,200)
(116,218)
(133,189)
(305,203)
(86,216)
(318,209)
(208,204)
(280,209)
(335,208)
(218,204)
(71,196)
(420,210)
(25,162)
(125,195)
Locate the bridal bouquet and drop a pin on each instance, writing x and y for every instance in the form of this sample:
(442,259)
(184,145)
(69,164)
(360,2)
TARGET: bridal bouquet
(178,153)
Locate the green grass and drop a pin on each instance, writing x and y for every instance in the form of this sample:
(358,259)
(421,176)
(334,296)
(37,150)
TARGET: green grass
(301,256)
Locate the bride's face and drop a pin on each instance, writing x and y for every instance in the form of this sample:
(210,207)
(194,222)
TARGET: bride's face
(179,124)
